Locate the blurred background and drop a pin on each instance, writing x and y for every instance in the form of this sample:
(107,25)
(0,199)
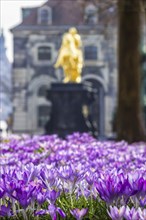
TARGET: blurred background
(30,37)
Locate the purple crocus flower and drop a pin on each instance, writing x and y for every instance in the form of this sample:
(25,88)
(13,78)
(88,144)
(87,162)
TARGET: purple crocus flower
(5,210)
(2,192)
(8,184)
(24,195)
(115,213)
(30,173)
(142,201)
(109,188)
(142,213)
(131,214)
(52,195)
(41,197)
(112,187)
(69,173)
(47,176)
(42,212)
(79,214)
(52,211)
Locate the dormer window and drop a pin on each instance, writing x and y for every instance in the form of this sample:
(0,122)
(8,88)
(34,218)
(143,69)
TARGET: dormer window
(91,14)
(45,15)
(26,12)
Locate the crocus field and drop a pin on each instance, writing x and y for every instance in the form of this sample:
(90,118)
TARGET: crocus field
(46,177)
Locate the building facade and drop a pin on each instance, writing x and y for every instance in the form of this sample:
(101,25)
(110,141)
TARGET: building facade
(5,82)
(36,43)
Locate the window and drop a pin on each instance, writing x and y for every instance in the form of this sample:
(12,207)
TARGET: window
(91,14)
(26,12)
(42,92)
(44,53)
(90,53)
(45,15)
(43,115)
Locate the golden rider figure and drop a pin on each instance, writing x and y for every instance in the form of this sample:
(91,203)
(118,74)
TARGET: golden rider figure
(70,56)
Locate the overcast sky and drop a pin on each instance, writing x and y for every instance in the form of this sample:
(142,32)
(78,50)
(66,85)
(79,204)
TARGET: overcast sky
(10,16)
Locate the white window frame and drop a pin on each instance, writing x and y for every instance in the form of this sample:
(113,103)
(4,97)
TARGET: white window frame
(45,7)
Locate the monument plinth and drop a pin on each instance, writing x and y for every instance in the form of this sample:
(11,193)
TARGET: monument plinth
(68,101)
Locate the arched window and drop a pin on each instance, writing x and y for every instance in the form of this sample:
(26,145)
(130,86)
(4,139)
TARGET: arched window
(91,14)
(45,15)
(43,114)
(44,53)
(42,92)
(90,53)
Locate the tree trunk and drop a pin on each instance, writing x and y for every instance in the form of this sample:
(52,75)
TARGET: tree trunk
(130,126)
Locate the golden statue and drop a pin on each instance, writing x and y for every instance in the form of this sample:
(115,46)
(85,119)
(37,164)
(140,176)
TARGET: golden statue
(70,56)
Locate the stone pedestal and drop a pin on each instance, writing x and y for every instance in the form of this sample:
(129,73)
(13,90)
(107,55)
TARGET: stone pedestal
(67,108)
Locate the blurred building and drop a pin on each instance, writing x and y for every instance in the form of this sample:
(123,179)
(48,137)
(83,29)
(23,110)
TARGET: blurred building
(36,43)
(5,82)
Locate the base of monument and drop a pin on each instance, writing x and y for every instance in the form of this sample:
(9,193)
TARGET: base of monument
(67,108)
